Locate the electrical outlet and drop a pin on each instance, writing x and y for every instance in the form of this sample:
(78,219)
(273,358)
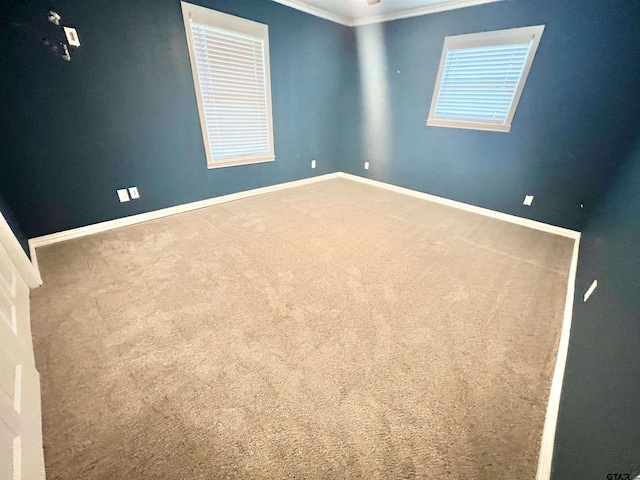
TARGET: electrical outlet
(590,291)
(528,199)
(366,165)
(123,195)
(72,36)
(313,164)
(133,191)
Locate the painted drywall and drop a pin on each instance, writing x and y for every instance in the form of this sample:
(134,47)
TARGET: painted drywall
(570,130)
(597,431)
(123,111)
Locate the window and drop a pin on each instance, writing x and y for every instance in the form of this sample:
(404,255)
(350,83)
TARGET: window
(481,78)
(230,64)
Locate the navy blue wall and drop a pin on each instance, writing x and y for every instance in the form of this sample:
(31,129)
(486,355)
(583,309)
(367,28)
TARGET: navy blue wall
(573,125)
(123,111)
(599,416)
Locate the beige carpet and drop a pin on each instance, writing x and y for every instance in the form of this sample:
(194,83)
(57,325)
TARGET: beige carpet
(334,330)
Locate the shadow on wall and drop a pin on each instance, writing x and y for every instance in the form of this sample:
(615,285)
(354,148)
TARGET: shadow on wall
(372,56)
(597,431)
(574,122)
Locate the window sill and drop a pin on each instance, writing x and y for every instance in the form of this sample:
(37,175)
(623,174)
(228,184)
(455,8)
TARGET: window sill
(491,127)
(244,161)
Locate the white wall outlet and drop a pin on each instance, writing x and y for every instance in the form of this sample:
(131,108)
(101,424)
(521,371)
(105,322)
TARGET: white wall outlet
(72,36)
(366,165)
(590,291)
(313,164)
(133,191)
(123,195)
(528,199)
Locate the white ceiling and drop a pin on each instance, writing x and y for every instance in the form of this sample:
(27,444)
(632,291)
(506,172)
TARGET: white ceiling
(359,12)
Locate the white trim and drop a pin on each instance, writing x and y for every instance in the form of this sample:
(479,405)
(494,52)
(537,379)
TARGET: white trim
(548,435)
(450,123)
(315,11)
(351,22)
(243,27)
(522,35)
(186,207)
(28,271)
(238,162)
(551,419)
(165,212)
(545,227)
(34,258)
(553,405)
(426,10)
(588,293)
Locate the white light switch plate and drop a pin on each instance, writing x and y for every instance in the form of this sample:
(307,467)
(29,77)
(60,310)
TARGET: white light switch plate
(528,199)
(123,195)
(366,165)
(313,164)
(133,191)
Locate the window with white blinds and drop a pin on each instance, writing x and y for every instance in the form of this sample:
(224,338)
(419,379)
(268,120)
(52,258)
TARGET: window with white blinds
(481,78)
(230,64)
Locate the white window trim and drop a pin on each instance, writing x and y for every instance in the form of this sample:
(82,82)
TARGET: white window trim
(224,21)
(497,37)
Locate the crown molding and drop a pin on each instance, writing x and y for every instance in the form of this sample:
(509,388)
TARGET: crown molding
(318,12)
(350,22)
(427,9)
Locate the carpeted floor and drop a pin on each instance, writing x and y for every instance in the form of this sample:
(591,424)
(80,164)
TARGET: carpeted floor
(334,330)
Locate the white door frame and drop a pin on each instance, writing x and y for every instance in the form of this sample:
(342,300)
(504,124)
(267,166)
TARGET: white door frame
(21,450)
(29,273)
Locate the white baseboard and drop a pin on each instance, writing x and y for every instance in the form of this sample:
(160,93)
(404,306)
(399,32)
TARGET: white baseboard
(553,406)
(548,435)
(525,222)
(144,217)
(165,212)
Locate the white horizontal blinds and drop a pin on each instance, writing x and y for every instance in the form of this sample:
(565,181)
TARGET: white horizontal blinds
(231,73)
(480,83)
